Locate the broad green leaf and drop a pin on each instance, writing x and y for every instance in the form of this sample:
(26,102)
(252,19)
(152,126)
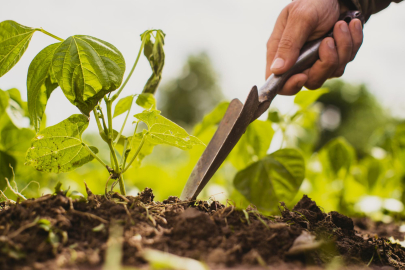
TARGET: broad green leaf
(164,131)
(253,145)
(305,98)
(87,69)
(60,148)
(340,154)
(146,101)
(14,114)
(123,105)
(212,118)
(15,95)
(40,84)
(274,117)
(5,171)
(14,40)
(276,177)
(374,171)
(16,141)
(134,142)
(4,97)
(155,54)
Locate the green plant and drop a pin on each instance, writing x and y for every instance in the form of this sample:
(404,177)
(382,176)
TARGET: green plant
(88,70)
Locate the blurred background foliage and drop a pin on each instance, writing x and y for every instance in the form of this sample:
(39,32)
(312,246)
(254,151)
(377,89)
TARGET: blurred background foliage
(354,150)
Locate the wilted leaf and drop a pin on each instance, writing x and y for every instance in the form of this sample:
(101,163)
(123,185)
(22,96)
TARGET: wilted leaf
(40,83)
(305,98)
(212,118)
(155,54)
(164,131)
(14,40)
(276,177)
(340,154)
(123,105)
(146,101)
(60,148)
(86,69)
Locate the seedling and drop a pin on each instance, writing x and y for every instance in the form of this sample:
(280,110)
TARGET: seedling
(88,70)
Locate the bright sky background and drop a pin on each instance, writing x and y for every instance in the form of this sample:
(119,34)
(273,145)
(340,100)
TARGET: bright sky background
(233,32)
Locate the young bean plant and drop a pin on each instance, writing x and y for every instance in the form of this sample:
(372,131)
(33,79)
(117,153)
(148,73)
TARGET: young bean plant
(89,70)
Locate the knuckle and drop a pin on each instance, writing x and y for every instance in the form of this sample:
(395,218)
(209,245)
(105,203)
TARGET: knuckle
(313,85)
(286,44)
(339,72)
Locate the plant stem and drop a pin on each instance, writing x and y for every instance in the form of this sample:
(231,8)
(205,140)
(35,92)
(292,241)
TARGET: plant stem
(130,73)
(136,153)
(125,121)
(49,34)
(122,185)
(104,124)
(94,155)
(100,128)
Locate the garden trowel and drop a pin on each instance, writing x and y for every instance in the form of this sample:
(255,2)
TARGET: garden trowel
(238,116)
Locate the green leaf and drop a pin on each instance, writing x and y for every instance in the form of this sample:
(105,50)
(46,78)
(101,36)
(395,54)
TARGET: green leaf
(4,97)
(304,99)
(274,117)
(276,177)
(123,105)
(60,148)
(164,131)
(253,145)
(146,101)
(87,69)
(40,83)
(16,141)
(340,154)
(155,54)
(212,118)
(5,171)
(374,171)
(134,142)
(14,40)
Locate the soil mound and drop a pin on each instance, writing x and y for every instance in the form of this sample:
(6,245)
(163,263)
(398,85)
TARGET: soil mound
(55,231)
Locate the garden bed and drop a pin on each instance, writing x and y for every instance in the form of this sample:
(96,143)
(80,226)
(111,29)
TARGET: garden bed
(56,232)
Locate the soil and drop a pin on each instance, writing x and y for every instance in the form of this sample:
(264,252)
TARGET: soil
(76,232)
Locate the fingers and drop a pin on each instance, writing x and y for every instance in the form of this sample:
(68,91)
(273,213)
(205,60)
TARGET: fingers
(294,84)
(356,31)
(297,31)
(344,44)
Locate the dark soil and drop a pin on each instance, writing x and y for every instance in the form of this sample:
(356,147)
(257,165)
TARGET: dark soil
(220,235)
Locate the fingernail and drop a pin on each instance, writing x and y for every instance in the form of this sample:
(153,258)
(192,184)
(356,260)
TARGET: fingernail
(278,63)
(331,44)
(358,25)
(344,27)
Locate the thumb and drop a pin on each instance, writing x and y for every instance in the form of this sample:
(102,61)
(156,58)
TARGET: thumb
(295,34)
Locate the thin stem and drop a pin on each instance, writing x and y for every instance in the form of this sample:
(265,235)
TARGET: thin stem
(122,185)
(130,73)
(109,119)
(100,128)
(104,124)
(125,121)
(94,155)
(123,155)
(49,34)
(136,153)
(114,156)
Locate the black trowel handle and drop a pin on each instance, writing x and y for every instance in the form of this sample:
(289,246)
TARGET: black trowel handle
(308,56)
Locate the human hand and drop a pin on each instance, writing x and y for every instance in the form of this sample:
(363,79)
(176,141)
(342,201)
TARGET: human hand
(305,20)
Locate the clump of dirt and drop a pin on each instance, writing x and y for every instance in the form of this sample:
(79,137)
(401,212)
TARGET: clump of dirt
(55,231)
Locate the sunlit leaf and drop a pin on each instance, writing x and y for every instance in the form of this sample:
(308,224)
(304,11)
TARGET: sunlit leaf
(40,84)
(276,177)
(374,171)
(146,101)
(155,54)
(14,40)
(164,131)
(60,148)
(123,105)
(16,141)
(305,98)
(134,143)
(274,117)
(86,69)
(3,101)
(340,154)
(212,118)
(253,145)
